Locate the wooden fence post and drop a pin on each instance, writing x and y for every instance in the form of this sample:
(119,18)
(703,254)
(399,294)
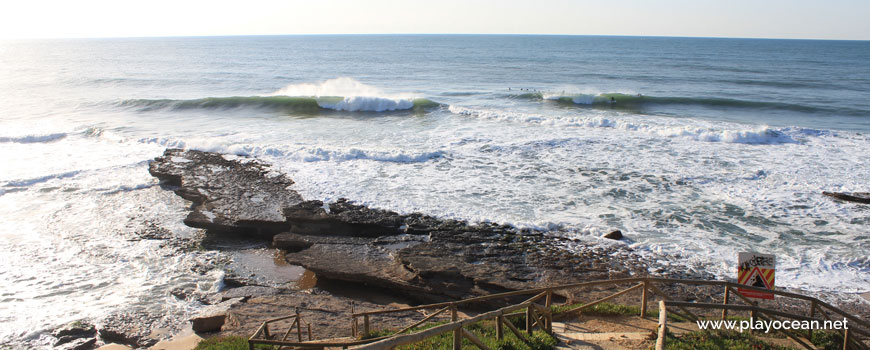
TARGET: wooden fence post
(846,339)
(499,332)
(725,302)
(663,324)
(353,322)
(298,325)
(366,329)
(643,299)
(529,319)
(457,333)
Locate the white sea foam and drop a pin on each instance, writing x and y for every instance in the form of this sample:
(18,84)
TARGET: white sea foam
(368,104)
(348,94)
(755,135)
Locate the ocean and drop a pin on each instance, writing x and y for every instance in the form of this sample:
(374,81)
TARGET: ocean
(695,148)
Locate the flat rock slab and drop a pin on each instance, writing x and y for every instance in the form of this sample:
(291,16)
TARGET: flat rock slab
(414,255)
(212,318)
(229,193)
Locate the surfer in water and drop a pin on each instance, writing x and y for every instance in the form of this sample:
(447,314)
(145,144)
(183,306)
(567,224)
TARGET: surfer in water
(612,100)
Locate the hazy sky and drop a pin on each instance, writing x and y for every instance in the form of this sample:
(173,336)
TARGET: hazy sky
(830,19)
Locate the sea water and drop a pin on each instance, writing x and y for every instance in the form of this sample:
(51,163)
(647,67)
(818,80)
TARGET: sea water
(696,149)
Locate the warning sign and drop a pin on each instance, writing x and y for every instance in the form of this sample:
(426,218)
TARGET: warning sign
(756,270)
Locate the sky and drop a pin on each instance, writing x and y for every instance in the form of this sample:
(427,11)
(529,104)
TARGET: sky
(796,19)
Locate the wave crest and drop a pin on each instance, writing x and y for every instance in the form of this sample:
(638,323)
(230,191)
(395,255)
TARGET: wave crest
(631,101)
(33,138)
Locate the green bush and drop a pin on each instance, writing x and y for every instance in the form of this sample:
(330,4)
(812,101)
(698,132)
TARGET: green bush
(612,309)
(227,343)
(718,340)
(827,340)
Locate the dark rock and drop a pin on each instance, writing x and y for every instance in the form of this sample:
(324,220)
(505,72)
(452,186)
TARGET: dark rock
(131,328)
(212,318)
(76,329)
(230,195)
(857,197)
(416,255)
(342,219)
(153,231)
(182,293)
(80,344)
(615,235)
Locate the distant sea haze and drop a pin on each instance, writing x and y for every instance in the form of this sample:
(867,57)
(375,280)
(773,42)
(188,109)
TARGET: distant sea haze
(696,149)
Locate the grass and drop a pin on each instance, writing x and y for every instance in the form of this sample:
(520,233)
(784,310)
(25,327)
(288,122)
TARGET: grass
(612,309)
(227,343)
(827,340)
(719,339)
(484,330)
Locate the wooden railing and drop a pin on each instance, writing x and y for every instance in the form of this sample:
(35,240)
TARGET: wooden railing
(541,316)
(266,335)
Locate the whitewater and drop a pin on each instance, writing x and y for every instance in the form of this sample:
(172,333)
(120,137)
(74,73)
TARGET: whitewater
(693,156)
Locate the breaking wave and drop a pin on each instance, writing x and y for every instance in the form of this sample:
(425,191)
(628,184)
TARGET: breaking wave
(287,104)
(639,101)
(340,94)
(32,138)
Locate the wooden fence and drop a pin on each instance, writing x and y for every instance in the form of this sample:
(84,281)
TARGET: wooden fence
(538,314)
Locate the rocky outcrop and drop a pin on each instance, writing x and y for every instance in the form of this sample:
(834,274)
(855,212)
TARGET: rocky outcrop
(212,318)
(857,197)
(418,256)
(75,335)
(614,235)
(129,328)
(228,194)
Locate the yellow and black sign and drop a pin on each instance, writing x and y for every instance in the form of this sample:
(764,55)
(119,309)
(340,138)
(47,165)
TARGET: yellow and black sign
(756,270)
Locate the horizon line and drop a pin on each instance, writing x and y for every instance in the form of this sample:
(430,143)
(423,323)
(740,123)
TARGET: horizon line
(421,34)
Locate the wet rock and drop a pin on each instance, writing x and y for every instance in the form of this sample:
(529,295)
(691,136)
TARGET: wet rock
(153,231)
(79,344)
(229,194)
(857,197)
(131,328)
(76,329)
(425,258)
(615,235)
(342,219)
(446,265)
(212,318)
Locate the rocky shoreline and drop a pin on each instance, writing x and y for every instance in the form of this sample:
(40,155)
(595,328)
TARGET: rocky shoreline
(361,258)
(420,257)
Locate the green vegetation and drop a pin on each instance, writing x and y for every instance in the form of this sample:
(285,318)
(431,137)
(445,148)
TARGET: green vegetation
(485,331)
(716,340)
(612,309)
(827,340)
(227,343)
